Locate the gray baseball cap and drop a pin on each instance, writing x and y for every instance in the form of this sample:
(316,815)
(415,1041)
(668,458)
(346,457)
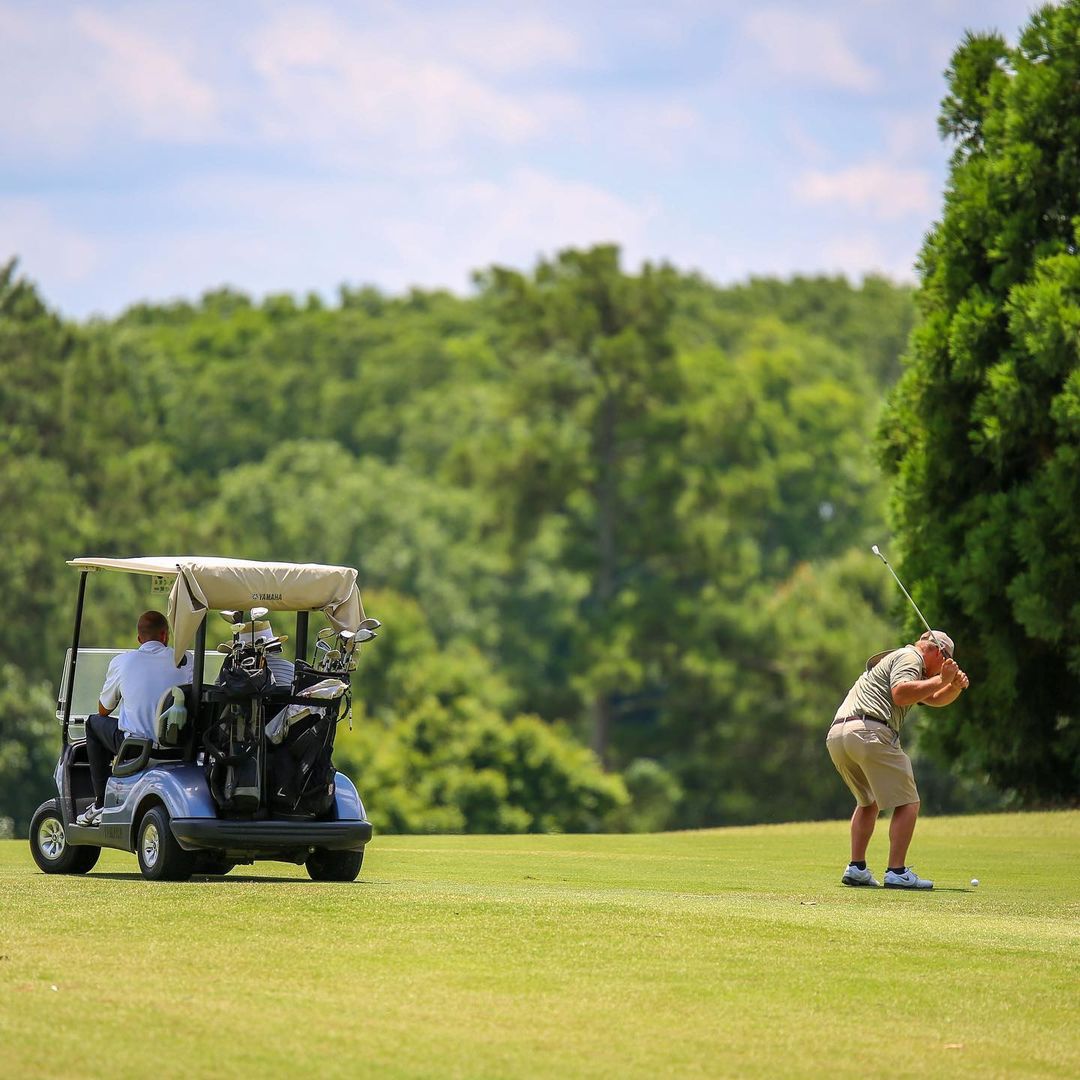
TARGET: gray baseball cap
(939,637)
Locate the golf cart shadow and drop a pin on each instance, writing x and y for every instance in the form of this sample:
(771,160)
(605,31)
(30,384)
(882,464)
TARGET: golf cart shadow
(217,879)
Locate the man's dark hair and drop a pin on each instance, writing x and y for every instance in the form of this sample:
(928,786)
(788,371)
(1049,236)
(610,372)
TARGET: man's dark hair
(153,625)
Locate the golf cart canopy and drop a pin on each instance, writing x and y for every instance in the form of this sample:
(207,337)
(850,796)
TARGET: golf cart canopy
(203,583)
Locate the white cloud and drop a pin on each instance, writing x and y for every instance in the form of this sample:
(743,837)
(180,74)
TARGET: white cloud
(329,84)
(148,79)
(44,245)
(859,254)
(270,235)
(69,76)
(882,190)
(531,212)
(492,39)
(660,132)
(911,134)
(809,48)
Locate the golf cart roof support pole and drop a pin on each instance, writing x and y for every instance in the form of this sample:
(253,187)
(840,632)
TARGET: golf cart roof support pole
(74,651)
(301,635)
(200,660)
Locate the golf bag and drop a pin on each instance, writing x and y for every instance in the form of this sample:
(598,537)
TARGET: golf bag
(301,773)
(244,673)
(233,746)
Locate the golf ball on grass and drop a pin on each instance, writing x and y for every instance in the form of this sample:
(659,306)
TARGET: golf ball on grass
(975,881)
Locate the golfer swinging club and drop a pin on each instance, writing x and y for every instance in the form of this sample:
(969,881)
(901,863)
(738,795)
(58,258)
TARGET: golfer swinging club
(864,744)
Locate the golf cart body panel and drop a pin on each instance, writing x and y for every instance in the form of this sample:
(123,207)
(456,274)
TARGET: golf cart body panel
(286,841)
(182,794)
(347,803)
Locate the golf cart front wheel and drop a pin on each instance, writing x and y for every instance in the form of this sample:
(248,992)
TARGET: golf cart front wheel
(49,846)
(161,858)
(334,865)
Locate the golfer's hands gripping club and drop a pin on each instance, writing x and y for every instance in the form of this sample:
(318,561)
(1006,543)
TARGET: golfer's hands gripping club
(952,675)
(950,669)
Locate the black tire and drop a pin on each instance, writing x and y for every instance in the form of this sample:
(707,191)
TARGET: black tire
(334,865)
(161,858)
(49,846)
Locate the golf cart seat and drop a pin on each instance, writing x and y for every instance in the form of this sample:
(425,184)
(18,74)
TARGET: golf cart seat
(136,753)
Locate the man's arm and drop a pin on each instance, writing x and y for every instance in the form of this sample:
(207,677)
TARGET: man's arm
(110,691)
(950,693)
(922,690)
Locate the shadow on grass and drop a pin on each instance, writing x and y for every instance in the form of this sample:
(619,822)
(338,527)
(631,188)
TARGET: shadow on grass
(915,892)
(239,879)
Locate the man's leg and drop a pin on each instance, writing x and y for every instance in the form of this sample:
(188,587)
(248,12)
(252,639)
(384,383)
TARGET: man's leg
(901,830)
(862,828)
(102,742)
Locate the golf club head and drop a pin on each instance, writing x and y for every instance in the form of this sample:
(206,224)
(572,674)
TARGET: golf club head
(231,615)
(226,649)
(364,635)
(877,551)
(347,636)
(258,613)
(326,632)
(369,624)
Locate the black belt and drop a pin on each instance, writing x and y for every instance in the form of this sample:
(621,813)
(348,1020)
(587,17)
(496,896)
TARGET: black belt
(844,719)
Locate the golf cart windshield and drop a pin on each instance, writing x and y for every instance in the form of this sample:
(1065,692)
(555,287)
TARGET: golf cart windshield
(202,583)
(90,676)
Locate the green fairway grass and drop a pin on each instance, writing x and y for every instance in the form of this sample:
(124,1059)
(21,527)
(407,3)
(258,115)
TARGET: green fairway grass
(729,953)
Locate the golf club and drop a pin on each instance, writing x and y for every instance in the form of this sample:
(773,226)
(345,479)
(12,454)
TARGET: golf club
(257,613)
(877,551)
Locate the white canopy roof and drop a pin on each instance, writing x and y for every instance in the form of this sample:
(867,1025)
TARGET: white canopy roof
(204,582)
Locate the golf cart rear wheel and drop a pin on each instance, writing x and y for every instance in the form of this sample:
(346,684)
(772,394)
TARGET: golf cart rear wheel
(334,865)
(161,858)
(49,846)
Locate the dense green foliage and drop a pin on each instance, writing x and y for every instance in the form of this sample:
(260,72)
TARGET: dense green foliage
(631,511)
(983,432)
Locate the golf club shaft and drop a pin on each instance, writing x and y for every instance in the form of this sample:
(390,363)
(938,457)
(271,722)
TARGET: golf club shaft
(876,550)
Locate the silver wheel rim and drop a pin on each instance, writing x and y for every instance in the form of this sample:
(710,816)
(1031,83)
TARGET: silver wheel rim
(51,838)
(151,845)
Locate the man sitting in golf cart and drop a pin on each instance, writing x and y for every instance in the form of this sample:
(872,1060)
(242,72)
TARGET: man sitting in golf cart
(135,681)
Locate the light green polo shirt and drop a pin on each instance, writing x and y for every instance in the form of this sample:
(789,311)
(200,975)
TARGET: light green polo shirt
(872,693)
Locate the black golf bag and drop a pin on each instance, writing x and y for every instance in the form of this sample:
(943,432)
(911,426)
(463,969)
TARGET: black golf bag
(300,770)
(233,747)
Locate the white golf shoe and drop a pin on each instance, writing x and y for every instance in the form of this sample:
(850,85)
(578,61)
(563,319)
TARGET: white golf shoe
(90,816)
(907,880)
(854,876)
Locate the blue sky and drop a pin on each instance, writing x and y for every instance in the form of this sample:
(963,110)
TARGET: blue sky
(156,150)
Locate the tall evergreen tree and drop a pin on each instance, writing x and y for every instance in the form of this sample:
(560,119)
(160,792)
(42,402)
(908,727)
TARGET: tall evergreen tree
(982,435)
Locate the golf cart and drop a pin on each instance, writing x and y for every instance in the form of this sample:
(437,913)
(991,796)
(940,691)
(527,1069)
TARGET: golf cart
(239,768)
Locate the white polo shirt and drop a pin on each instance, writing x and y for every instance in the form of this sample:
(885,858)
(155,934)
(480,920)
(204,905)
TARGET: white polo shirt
(137,679)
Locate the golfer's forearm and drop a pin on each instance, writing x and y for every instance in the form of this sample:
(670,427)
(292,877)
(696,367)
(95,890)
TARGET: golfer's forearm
(912,693)
(946,696)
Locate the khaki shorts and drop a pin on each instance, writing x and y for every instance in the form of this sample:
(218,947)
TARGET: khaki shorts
(868,756)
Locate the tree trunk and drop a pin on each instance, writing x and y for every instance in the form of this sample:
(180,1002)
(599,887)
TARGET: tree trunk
(607,555)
